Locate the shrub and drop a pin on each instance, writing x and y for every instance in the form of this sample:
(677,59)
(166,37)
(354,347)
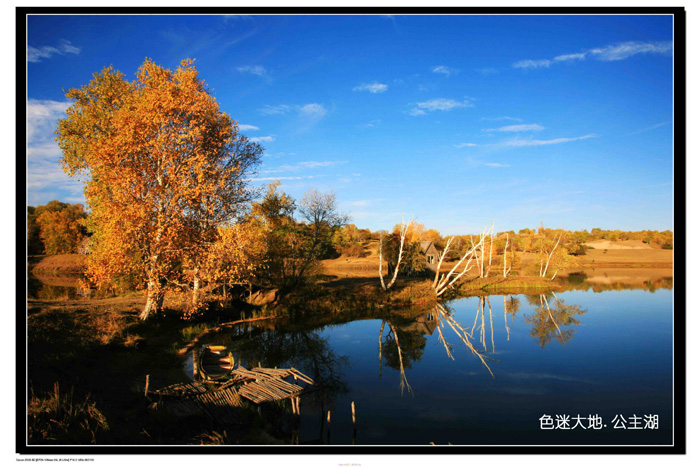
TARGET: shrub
(55,419)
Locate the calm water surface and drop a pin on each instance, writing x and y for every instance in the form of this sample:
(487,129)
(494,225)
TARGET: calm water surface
(575,354)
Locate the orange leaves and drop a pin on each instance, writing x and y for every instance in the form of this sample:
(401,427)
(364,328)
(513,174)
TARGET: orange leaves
(163,168)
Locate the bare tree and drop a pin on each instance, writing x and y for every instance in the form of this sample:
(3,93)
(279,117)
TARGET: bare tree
(402,233)
(505,257)
(545,266)
(321,212)
(445,281)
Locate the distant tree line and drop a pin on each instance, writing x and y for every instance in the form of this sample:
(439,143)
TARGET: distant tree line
(55,228)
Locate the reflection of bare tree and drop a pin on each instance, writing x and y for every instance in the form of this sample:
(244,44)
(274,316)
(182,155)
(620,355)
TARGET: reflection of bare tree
(400,347)
(550,322)
(505,316)
(404,382)
(444,316)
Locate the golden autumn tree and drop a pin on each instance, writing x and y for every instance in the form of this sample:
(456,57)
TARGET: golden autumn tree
(163,168)
(60,226)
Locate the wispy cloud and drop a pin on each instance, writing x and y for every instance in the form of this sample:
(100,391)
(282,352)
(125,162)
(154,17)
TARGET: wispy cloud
(374,88)
(301,166)
(274,109)
(371,124)
(609,53)
(653,127)
(496,164)
(313,111)
(516,143)
(270,179)
(247,127)
(420,108)
(532,64)
(36,54)
(262,139)
(517,128)
(393,21)
(359,203)
(257,70)
(445,70)
(628,49)
(496,119)
(541,142)
(569,57)
(308,115)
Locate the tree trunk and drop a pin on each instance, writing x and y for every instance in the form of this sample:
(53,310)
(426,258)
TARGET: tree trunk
(505,257)
(381,274)
(196,288)
(154,300)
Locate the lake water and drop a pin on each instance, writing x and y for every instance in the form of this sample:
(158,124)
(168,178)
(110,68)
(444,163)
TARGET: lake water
(592,362)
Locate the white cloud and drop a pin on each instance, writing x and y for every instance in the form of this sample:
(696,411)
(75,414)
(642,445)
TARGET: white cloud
(608,53)
(539,142)
(420,108)
(445,70)
(496,164)
(46,179)
(495,119)
(255,70)
(517,128)
(371,124)
(247,127)
(465,145)
(313,111)
(532,64)
(567,57)
(302,165)
(374,88)
(262,139)
(274,109)
(270,179)
(36,54)
(42,118)
(653,127)
(628,49)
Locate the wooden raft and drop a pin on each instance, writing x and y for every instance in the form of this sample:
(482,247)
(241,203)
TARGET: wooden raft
(268,384)
(181,390)
(223,405)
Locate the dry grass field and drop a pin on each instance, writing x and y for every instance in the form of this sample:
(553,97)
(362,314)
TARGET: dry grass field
(603,254)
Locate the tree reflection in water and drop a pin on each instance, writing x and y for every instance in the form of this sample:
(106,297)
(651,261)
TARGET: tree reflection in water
(550,322)
(405,342)
(304,350)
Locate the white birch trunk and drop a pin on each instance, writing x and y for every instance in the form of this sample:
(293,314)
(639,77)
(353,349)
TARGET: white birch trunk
(442,256)
(404,229)
(549,257)
(505,256)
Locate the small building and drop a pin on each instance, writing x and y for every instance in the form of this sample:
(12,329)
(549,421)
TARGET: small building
(423,324)
(432,255)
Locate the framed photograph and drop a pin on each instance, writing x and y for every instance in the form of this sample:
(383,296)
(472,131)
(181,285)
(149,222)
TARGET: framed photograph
(351,231)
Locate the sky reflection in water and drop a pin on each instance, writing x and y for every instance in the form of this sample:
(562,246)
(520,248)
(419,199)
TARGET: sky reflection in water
(610,353)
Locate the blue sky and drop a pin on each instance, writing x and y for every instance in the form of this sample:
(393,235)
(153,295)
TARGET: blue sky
(456,120)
